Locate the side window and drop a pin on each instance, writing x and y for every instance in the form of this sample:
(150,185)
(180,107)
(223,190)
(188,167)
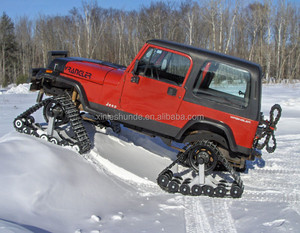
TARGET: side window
(164,66)
(223,83)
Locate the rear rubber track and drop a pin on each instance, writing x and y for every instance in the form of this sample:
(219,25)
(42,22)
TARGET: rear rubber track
(166,177)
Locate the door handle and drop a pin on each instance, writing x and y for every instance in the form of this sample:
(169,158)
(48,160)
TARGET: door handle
(172,91)
(135,79)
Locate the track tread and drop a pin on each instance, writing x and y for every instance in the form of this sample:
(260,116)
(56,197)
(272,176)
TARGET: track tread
(72,113)
(221,158)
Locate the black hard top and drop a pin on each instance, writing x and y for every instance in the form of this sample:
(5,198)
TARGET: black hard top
(199,53)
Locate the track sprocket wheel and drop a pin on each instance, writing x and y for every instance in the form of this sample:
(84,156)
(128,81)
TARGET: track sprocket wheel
(53,107)
(207,151)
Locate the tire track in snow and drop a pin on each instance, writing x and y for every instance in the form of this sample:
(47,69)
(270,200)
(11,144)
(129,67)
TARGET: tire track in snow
(274,184)
(196,220)
(279,181)
(282,184)
(216,217)
(273,179)
(275,171)
(277,163)
(222,218)
(271,196)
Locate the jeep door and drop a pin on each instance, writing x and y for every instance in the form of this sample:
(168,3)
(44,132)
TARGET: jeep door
(156,87)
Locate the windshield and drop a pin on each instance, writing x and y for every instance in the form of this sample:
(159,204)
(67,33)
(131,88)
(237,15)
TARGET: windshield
(164,66)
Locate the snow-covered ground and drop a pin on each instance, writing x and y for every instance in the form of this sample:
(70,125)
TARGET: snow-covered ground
(47,188)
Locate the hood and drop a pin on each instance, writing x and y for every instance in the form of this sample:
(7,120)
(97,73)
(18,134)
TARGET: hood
(92,70)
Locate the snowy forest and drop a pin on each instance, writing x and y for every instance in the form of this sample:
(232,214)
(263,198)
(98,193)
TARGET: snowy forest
(262,32)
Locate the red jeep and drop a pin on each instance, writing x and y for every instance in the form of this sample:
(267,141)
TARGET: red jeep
(209,102)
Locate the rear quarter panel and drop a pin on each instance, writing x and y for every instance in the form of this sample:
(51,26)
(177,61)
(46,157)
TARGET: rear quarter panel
(243,129)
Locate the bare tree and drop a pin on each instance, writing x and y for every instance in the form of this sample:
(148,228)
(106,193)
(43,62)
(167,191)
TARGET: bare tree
(255,31)
(8,51)
(231,28)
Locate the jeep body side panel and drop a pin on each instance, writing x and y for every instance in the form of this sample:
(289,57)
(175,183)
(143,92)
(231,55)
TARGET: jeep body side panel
(110,89)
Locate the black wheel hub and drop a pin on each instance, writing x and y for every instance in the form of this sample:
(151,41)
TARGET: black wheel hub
(203,154)
(54,109)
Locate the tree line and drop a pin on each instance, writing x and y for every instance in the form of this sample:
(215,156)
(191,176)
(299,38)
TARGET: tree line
(262,32)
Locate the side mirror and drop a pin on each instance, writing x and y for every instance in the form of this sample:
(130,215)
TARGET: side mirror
(135,68)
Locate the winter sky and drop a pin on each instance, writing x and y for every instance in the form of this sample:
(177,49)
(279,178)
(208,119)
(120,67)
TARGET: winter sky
(34,8)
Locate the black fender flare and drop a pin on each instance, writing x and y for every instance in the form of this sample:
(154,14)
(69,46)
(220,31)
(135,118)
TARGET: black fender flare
(206,135)
(199,128)
(71,83)
(77,86)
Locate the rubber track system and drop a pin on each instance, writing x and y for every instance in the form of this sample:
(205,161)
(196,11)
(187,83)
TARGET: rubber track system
(24,123)
(167,180)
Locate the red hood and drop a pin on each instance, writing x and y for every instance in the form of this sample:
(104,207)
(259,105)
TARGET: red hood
(86,70)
